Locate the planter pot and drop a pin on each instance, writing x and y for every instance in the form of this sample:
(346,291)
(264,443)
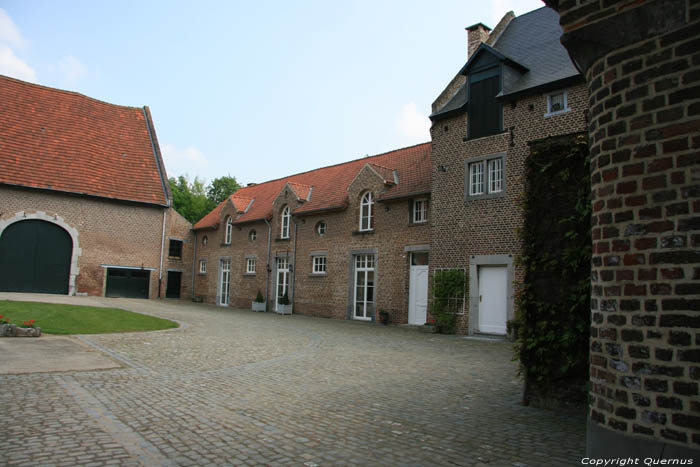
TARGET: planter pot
(284,309)
(384,318)
(259,306)
(197,299)
(11,330)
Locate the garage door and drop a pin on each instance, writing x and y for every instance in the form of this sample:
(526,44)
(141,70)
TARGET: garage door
(35,257)
(127,283)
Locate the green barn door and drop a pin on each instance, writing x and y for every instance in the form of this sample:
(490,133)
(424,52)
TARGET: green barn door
(35,257)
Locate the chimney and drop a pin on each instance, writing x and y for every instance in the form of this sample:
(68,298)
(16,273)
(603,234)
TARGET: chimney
(476,34)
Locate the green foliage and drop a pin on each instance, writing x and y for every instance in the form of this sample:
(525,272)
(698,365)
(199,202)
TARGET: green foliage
(259,298)
(221,188)
(448,298)
(193,200)
(553,315)
(73,319)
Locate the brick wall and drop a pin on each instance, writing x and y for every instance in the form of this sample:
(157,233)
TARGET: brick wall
(321,295)
(459,228)
(109,232)
(643,70)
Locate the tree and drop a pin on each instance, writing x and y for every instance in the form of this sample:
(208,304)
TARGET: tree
(189,198)
(221,188)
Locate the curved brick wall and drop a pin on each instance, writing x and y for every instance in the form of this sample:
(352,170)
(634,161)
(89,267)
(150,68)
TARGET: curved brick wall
(642,66)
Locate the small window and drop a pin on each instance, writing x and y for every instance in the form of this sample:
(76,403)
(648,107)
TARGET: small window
(420,258)
(366,211)
(485,176)
(556,103)
(229,230)
(175,249)
(285,222)
(321,228)
(252,235)
(202,266)
(205,240)
(319,265)
(420,210)
(250,266)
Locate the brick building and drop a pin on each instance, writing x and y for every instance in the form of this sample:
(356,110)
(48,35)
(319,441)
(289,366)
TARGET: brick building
(84,199)
(518,87)
(642,69)
(344,241)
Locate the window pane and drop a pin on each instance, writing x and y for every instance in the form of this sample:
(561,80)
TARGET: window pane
(419,259)
(495,175)
(556,102)
(476,178)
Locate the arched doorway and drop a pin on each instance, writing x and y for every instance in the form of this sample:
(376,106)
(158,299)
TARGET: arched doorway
(35,256)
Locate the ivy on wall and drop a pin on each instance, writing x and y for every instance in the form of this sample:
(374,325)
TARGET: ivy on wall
(448,298)
(553,315)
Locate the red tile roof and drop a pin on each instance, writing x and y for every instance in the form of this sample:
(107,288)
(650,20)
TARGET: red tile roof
(328,185)
(65,141)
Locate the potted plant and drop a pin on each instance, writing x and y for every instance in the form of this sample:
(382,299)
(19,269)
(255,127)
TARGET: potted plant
(384,317)
(284,306)
(259,303)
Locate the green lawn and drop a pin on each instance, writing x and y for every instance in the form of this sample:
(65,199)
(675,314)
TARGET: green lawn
(73,319)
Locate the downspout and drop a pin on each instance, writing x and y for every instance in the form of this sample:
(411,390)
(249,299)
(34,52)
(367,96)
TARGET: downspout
(194,261)
(294,261)
(268,269)
(162,247)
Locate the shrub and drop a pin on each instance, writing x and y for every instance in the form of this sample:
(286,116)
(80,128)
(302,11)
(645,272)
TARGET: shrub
(448,298)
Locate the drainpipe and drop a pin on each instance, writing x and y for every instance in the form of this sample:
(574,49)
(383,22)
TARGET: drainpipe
(294,261)
(162,247)
(269,267)
(194,261)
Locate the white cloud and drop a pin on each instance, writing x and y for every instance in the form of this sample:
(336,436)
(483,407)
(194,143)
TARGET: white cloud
(9,32)
(413,126)
(189,160)
(12,65)
(71,70)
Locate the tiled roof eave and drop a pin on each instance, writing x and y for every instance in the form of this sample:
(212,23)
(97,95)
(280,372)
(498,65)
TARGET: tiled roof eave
(91,195)
(573,79)
(341,207)
(403,195)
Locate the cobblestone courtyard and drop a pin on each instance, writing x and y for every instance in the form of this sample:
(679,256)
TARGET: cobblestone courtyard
(242,388)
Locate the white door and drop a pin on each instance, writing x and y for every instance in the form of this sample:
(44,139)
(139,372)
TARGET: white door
(225,267)
(418,289)
(493,299)
(282,280)
(364,287)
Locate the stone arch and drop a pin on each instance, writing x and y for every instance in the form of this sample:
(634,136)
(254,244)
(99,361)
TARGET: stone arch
(59,221)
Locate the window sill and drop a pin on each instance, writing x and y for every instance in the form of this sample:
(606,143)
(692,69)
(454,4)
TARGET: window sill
(558,112)
(417,224)
(318,274)
(201,273)
(225,244)
(280,239)
(174,258)
(500,194)
(363,232)
(466,138)
(249,274)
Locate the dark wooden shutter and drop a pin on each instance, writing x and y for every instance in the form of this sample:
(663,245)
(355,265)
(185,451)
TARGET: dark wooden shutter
(484,112)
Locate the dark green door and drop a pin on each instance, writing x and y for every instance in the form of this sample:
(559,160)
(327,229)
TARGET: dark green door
(35,257)
(127,283)
(173,288)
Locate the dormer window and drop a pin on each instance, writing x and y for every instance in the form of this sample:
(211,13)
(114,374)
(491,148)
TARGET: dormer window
(229,230)
(484,111)
(367,212)
(285,222)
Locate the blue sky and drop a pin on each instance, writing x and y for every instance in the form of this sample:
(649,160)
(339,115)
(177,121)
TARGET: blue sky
(257,90)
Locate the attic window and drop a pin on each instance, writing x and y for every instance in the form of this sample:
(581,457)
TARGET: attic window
(253,235)
(556,103)
(366,214)
(229,230)
(321,228)
(285,222)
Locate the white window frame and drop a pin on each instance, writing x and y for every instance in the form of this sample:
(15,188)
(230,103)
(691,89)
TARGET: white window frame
(250,265)
(485,176)
(321,226)
(319,265)
(252,235)
(420,210)
(229,230)
(549,103)
(366,214)
(365,269)
(284,231)
(202,266)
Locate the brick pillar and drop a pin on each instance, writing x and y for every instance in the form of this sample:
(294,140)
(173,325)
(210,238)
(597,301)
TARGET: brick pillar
(642,65)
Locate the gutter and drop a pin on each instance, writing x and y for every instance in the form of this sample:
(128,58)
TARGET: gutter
(162,247)
(294,262)
(194,262)
(268,269)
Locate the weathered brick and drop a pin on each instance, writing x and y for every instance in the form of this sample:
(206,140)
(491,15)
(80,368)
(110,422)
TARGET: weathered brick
(679,338)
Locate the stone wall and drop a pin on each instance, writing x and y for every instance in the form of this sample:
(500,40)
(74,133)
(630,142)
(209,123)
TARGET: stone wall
(642,66)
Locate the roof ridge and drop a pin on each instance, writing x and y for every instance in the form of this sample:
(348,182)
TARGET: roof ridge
(66,91)
(336,165)
(382,166)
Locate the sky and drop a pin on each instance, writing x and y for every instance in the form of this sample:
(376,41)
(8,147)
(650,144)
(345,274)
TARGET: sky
(256,90)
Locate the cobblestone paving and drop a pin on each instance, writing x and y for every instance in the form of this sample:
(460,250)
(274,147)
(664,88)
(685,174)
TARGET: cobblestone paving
(243,388)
